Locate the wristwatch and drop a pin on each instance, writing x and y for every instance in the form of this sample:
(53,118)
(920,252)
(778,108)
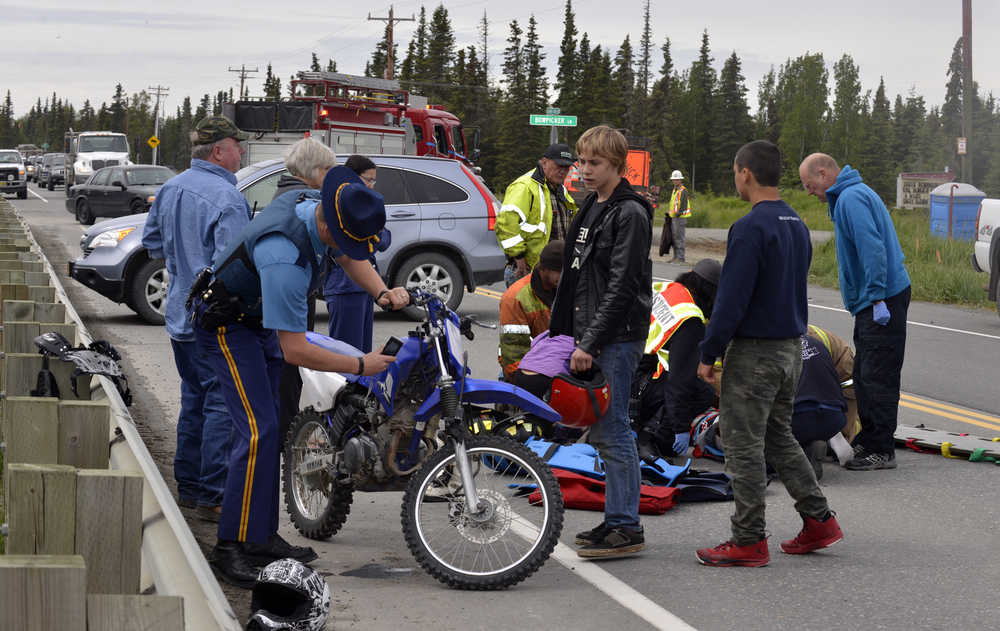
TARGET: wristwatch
(361,366)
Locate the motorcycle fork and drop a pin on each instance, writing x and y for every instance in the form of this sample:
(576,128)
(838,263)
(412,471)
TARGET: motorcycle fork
(468,481)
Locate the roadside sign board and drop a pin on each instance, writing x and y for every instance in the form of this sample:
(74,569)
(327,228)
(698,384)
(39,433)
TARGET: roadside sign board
(553,120)
(962,144)
(153,142)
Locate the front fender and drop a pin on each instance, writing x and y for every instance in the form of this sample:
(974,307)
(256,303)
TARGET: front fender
(484,391)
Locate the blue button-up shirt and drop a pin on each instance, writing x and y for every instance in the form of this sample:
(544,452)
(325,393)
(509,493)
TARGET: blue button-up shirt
(195,216)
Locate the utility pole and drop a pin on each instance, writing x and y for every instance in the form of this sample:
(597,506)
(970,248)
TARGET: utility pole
(967,90)
(244,72)
(390,22)
(159,91)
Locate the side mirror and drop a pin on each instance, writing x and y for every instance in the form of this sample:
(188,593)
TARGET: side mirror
(475,154)
(118,184)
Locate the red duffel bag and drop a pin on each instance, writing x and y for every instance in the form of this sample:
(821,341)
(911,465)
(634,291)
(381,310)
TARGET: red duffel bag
(588,494)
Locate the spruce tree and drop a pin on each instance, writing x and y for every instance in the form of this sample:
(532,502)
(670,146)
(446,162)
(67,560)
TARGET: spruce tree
(733,125)
(314,64)
(439,57)
(701,86)
(644,75)
(623,79)
(378,64)
(272,85)
(877,164)
(511,160)
(664,112)
(766,121)
(802,94)
(845,115)
(567,73)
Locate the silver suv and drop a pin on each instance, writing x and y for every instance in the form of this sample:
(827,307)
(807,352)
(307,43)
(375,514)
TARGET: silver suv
(440,213)
(13,175)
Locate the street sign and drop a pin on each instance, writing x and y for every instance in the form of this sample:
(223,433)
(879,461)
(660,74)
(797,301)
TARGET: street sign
(553,120)
(962,144)
(45,146)
(552,111)
(153,142)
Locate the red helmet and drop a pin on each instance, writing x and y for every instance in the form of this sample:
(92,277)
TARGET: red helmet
(581,399)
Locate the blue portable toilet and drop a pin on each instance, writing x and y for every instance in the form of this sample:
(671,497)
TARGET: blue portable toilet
(955,203)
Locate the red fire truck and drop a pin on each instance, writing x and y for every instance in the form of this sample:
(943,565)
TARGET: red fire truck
(352,114)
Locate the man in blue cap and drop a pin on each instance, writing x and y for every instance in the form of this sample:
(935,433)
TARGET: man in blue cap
(248,313)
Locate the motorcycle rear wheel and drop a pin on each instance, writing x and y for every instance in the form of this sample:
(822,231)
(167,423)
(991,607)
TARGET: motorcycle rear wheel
(499,546)
(317,503)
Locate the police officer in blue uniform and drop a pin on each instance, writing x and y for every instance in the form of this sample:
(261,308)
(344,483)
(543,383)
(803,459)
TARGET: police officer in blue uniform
(249,313)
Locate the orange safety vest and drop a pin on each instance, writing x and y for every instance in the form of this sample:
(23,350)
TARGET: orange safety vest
(672,306)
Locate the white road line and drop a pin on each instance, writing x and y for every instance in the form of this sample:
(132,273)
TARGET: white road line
(38,196)
(607,583)
(929,326)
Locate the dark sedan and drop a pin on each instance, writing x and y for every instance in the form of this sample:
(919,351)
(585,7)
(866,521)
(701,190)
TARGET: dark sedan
(117,191)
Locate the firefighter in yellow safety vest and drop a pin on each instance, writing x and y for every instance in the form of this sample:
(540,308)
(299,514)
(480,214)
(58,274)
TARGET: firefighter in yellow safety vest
(536,209)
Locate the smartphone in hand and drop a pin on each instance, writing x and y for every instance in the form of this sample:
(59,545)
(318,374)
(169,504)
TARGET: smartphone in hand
(392,346)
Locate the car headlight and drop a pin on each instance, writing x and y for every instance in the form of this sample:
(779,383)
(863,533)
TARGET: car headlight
(110,238)
(151,199)
(21,171)
(83,166)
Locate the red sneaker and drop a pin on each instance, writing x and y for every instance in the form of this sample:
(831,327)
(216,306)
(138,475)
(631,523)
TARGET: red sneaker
(729,554)
(814,535)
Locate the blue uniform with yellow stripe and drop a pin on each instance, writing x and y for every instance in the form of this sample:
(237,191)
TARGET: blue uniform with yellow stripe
(271,269)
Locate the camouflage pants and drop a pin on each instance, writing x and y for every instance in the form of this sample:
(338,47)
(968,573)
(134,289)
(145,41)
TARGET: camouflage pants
(755,416)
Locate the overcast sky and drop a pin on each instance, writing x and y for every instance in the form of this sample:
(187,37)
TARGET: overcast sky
(80,50)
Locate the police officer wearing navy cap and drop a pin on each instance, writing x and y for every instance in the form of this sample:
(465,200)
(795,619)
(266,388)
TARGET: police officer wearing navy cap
(249,312)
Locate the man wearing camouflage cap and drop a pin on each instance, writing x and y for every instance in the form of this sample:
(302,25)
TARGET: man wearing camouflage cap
(196,214)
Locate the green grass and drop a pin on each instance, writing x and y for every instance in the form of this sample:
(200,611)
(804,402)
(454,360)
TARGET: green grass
(951,281)
(3,514)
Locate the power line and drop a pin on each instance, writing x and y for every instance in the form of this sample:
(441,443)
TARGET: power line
(244,72)
(390,22)
(159,91)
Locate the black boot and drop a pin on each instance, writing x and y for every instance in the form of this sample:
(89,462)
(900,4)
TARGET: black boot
(277,548)
(232,566)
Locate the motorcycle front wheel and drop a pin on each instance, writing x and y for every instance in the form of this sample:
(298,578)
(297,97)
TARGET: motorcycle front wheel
(506,539)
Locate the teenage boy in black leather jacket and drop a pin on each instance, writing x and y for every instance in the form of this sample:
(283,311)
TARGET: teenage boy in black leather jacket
(603,302)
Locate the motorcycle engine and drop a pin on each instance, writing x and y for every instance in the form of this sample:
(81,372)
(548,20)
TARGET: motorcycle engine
(360,452)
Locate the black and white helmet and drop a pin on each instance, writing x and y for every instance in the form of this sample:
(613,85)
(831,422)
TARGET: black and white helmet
(289,596)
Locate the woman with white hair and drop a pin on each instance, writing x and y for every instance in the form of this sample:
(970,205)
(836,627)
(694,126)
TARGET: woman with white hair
(307,160)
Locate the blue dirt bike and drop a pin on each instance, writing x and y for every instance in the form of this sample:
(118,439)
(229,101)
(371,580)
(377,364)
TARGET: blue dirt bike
(407,428)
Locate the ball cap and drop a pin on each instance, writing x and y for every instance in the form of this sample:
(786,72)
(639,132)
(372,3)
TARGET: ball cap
(215,128)
(709,269)
(560,154)
(354,213)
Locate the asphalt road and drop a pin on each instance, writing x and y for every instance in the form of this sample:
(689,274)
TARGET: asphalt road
(922,547)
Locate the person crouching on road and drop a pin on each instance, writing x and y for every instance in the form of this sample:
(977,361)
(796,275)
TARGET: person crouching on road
(351,308)
(195,216)
(670,401)
(603,303)
(536,209)
(249,312)
(759,316)
(524,307)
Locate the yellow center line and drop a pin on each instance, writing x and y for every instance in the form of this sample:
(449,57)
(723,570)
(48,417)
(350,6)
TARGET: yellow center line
(954,417)
(950,408)
(489,293)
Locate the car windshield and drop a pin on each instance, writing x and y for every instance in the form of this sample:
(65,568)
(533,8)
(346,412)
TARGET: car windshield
(57,161)
(10,157)
(149,176)
(89,144)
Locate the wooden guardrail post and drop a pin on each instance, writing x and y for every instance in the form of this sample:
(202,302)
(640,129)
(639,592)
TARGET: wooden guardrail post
(31,430)
(41,509)
(115,612)
(83,434)
(109,529)
(43,593)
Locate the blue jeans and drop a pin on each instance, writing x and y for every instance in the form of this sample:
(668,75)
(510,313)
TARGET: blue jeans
(613,438)
(204,430)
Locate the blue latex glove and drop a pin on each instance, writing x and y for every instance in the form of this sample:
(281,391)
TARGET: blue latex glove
(681,443)
(880,313)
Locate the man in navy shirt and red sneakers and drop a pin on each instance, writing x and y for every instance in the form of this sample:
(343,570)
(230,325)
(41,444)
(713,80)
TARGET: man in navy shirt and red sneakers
(759,315)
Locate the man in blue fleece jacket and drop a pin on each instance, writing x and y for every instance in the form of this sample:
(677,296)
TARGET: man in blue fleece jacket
(876,290)
(759,315)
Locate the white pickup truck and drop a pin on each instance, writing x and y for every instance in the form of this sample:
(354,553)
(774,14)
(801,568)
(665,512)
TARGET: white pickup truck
(986,254)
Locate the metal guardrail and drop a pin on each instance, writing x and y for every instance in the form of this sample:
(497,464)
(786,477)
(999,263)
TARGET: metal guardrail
(172,561)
